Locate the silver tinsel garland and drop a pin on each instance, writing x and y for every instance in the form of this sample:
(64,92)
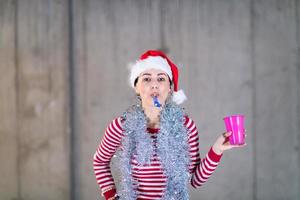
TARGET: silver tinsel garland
(172,149)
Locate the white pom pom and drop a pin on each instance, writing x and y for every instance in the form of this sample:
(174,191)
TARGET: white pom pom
(179,97)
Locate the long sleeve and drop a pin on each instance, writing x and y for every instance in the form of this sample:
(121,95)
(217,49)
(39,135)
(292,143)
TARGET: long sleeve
(200,169)
(107,148)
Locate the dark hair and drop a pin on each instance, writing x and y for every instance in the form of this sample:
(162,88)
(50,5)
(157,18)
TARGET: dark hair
(136,80)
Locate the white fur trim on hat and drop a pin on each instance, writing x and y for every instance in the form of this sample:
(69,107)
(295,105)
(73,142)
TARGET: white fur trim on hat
(179,97)
(152,62)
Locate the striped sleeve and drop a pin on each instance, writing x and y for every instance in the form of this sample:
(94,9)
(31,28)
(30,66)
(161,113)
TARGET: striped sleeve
(107,148)
(200,169)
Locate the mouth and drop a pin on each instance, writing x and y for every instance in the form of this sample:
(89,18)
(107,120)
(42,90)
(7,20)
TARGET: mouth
(155,94)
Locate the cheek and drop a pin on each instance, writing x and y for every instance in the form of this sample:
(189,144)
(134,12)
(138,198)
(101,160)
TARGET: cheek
(166,90)
(143,90)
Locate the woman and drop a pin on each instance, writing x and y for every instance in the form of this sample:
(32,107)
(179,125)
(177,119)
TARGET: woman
(157,141)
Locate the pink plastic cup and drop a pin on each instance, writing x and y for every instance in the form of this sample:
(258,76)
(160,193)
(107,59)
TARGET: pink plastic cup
(235,124)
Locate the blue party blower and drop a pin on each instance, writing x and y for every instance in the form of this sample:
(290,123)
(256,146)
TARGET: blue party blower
(156,102)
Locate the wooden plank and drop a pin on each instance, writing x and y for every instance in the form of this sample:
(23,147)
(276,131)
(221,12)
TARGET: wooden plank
(297,11)
(216,37)
(210,39)
(108,35)
(276,99)
(43,91)
(8,108)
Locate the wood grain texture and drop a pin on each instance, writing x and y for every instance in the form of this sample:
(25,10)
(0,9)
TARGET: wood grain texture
(210,40)
(276,97)
(42,97)
(108,35)
(8,107)
(233,56)
(218,44)
(297,11)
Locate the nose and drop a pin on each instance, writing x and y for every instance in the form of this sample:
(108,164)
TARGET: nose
(154,85)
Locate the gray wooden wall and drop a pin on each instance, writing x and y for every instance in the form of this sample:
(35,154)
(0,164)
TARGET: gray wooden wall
(63,77)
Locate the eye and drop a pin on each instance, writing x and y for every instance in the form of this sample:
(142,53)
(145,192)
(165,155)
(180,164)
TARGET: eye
(161,79)
(146,79)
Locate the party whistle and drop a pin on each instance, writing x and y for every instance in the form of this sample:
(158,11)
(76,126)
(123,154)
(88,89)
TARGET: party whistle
(156,102)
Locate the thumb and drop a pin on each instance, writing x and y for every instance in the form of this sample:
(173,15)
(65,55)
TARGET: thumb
(227,134)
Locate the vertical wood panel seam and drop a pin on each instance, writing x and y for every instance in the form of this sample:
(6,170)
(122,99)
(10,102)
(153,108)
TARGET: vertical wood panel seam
(17,98)
(162,25)
(297,18)
(72,96)
(253,71)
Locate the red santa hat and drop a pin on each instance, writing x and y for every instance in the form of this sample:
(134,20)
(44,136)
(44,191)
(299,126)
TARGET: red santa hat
(154,59)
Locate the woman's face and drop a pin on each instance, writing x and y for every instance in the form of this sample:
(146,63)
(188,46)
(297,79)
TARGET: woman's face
(153,82)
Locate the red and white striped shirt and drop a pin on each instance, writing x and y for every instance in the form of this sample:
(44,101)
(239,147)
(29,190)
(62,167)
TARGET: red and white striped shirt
(151,178)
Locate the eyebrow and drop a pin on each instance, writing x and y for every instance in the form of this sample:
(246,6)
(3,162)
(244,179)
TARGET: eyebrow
(147,74)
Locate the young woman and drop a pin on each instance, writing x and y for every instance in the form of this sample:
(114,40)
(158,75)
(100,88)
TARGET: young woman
(156,141)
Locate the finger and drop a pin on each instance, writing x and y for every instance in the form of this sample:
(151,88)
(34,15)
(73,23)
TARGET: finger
(227,134)
(226,140)
(239,146)
(225,137)
(228,146)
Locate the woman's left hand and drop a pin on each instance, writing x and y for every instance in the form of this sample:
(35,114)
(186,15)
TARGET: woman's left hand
(222,143)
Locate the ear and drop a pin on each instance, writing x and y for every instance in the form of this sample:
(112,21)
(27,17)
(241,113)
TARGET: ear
(136,90)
